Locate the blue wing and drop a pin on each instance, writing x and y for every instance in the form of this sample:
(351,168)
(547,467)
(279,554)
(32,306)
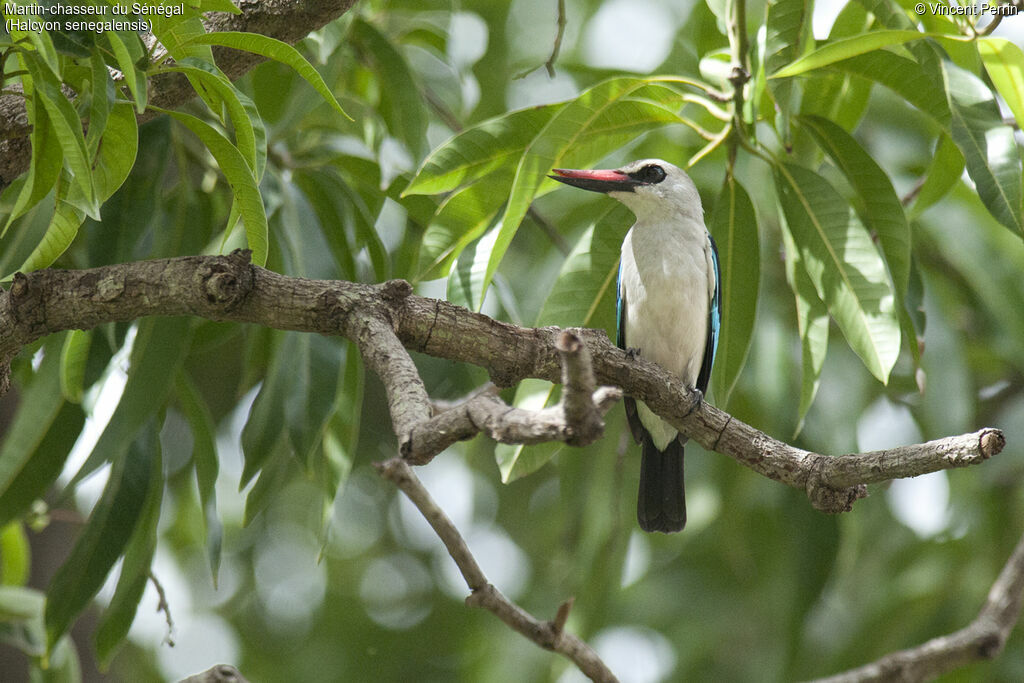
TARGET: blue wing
(620,311)
(714,323)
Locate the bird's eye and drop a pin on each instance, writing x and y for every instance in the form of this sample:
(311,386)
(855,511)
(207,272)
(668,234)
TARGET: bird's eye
(650,174)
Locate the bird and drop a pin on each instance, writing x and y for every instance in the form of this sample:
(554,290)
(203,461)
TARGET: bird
(668,310)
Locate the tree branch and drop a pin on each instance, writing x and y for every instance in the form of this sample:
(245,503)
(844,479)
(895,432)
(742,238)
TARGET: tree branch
(983,638)
(382,319)
(287,20)
(550,635)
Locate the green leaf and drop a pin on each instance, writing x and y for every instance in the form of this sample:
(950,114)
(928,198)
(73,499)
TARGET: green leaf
(272,48)
(102,541)
(245,120)
(845,48)
(1004,62)
(20,604)
(787,34)
(847,271)
(39,439)
(117,152)
(101,98)
(68,129)
(15,557)
(733,224)
(135,570)
(991,153)
(127,50)
(73,358)
(466,280)
(474,153)
(906,78)
(812,325)
(207,466)
(881,209)
(47,159)
(944,171)
(460,219)
(241,179)
(401,104)
(157,353)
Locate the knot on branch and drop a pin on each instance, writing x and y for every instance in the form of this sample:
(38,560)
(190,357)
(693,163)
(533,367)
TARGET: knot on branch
(228,280)
(395,291)
(28,304)
(825,498)
(991,442)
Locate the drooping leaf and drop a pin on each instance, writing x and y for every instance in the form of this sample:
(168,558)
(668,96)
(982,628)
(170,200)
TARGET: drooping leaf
(128,52)
(73,358)
(47,159)
(135,569)
(905,77)
(733,224)
(812,324)
(991,153)
(944,170)
(279,51)
(241,179)
(848,273)
(38,441)
(157,353)
(881,208)
(103,540)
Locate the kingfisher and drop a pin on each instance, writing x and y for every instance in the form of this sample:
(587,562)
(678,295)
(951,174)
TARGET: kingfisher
(668,310)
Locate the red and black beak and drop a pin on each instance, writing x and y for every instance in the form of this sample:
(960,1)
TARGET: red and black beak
(596,181)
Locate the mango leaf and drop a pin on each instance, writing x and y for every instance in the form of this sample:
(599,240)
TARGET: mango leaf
(787,33)
(990,151)
(906,78)
(38,440)
(127,49)
(73,359)
(845,48)
(944,170)
(47,158)
(882,210)
(244,121)
(68,130)
(478,151)
(101,98)
(103,540)
(401,104)
(582,296)
(733,224)
(207,466)
(460,219)
(1004,62)
(241,179)
(812,325)
(466,279)
(135,570)
(157,353)
(848,273)
(279,51)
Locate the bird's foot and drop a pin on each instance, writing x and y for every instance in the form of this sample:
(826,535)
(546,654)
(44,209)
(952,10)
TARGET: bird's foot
(700,399)
(632,352)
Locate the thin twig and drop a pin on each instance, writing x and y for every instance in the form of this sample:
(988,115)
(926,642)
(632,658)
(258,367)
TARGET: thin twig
(550,63)
(550,635)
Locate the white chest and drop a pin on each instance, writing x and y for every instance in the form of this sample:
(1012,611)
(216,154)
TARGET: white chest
(667,285)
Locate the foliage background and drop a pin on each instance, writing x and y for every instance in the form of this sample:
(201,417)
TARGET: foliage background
(758,587)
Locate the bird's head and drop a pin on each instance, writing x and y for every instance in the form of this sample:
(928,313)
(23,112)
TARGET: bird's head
(651,188)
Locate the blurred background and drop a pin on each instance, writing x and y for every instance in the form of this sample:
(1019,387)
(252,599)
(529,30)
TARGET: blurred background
(758,587)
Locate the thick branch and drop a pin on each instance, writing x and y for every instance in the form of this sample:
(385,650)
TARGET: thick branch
(983,638)
(548,634)
(229,288)
(287,20)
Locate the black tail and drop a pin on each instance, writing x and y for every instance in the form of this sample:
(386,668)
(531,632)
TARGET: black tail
(661,502)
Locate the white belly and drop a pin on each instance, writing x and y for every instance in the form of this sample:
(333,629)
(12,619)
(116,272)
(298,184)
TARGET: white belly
(665,284)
